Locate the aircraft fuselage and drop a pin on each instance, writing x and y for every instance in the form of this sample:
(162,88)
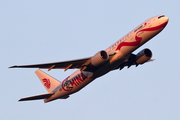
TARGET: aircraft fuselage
(122,49)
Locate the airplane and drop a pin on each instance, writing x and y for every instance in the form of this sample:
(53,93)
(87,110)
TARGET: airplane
(117,56)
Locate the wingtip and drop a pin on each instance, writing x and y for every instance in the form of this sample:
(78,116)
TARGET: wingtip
(13,66)
(20,100)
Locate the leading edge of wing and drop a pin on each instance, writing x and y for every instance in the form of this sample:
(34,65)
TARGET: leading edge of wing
(56,65)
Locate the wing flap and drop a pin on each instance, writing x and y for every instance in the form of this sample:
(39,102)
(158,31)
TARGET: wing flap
(37,97)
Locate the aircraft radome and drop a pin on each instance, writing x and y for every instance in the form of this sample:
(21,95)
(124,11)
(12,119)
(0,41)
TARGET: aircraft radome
(117,56)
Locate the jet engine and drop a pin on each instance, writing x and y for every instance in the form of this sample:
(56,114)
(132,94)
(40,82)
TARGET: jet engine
(99,58)
(143,56)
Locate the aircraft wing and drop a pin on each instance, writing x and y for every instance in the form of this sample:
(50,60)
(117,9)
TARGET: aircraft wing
(130,61)
(79,63)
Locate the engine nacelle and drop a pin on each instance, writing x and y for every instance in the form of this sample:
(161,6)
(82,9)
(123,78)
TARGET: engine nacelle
(143,56)
(99,58)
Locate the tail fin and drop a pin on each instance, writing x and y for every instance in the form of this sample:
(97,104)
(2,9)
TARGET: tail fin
(49,82)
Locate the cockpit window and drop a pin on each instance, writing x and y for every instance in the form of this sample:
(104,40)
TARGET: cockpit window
(160,16)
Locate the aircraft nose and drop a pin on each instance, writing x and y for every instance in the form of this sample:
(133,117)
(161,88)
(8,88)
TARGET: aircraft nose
(163,18)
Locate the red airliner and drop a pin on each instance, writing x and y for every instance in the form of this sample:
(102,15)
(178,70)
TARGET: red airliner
(117,56)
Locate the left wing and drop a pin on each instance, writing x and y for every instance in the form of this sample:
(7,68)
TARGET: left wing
(82,64)
(79,63)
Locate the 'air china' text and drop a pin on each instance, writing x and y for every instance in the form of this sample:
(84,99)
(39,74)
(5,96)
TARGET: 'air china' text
(67,85)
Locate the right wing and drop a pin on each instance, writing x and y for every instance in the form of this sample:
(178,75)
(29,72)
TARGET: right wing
(130,61)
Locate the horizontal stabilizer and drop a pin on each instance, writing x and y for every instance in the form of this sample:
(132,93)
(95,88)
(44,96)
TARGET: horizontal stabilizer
(37,97)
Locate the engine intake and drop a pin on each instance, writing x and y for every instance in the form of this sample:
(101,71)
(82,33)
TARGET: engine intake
(99,58)
(143,56)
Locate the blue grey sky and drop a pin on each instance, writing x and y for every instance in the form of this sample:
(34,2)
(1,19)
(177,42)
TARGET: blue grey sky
(41,31)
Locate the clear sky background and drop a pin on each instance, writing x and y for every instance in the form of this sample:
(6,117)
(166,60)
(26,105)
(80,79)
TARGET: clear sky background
(43,31)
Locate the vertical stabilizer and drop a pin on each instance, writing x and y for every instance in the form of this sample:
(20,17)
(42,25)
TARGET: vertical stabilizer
(49,82)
